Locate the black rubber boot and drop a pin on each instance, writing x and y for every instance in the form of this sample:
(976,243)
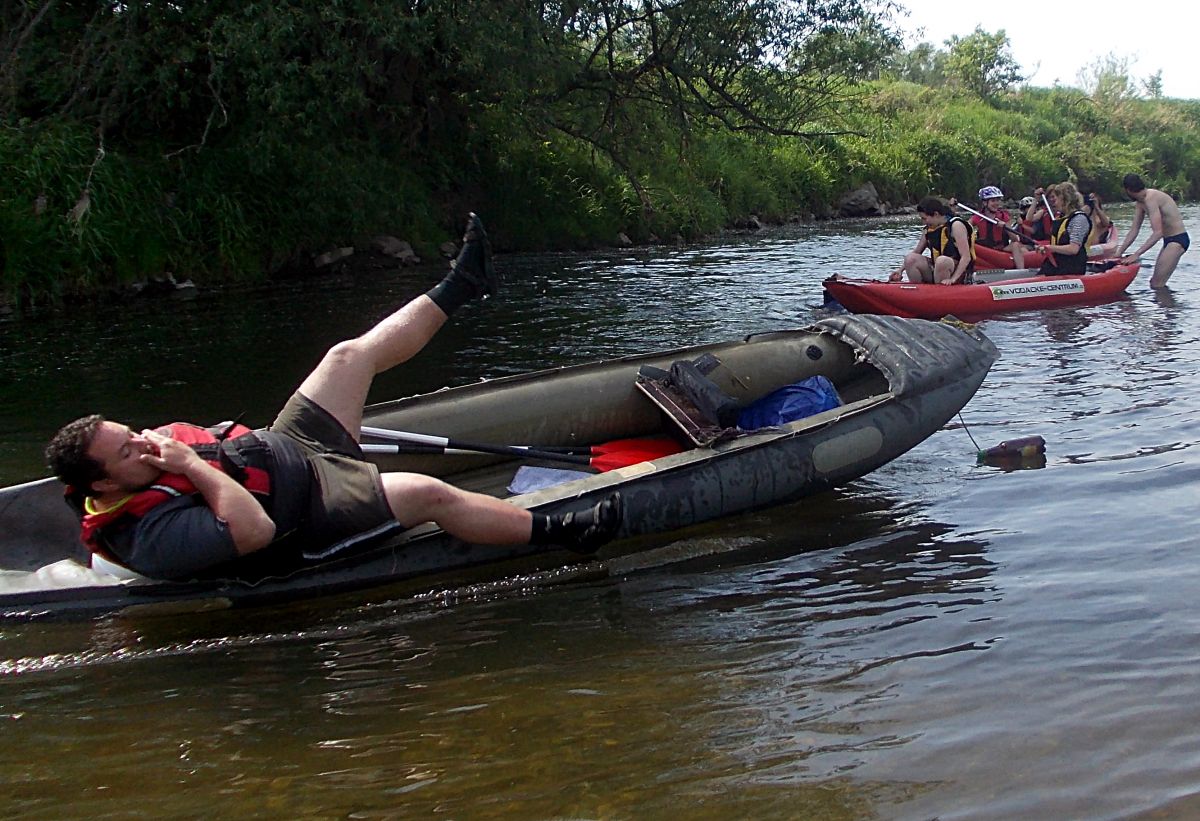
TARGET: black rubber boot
(474,262)
(580,531)
(472,275)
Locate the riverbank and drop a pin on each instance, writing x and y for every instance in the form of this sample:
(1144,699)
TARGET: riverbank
(284,133)
(386,253)
(75,225)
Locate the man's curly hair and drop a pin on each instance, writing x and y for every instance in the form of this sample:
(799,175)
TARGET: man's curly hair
(66,455)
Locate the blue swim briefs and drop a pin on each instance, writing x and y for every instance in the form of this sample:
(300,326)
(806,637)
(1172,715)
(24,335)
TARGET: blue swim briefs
(1182,239)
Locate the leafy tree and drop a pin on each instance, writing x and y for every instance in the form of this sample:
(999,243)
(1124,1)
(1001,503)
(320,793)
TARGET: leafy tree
(924,64)
(1107,80)
(621,75)
(983,63)
(1153,85)
(611,74)
(1116,93)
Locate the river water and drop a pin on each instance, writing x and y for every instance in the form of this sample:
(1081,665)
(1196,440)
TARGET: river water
(938,639)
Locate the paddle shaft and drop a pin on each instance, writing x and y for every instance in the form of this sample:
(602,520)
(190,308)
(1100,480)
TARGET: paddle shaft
(1049,211)
(1012,231)
(428,443)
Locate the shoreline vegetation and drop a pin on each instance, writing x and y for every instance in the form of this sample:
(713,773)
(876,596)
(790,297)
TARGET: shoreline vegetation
(222,143)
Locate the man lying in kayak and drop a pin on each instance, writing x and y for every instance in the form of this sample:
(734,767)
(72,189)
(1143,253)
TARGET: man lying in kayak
(179,501)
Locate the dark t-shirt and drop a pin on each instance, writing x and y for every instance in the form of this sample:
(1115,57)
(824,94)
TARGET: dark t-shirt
(1040,229)
(182,537)
(178,539)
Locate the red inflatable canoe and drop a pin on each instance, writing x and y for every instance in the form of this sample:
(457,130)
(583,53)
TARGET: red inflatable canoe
(989,258)
(1029,292)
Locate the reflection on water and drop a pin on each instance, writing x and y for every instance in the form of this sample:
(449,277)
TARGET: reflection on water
(1065,327)
(1016,461)
(1165,298)
(940,639)
(729,677)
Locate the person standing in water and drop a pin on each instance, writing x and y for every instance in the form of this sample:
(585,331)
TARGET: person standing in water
(1165,224)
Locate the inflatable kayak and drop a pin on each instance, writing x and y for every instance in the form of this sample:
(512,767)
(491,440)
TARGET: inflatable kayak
(1025,291)
(898,381)
(988,258)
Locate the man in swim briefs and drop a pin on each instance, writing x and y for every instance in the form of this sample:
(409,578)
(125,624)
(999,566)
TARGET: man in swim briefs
(1165,223)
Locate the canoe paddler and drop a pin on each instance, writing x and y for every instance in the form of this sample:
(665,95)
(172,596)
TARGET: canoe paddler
(1037,221)
(950,241)
(181,500)
(1067,251)
(993,227)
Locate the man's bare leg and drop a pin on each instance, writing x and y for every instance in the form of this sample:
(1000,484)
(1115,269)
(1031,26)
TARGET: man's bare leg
(916,267)
(340,383)
(943,269)
(481,519)
(473,517)
(1165,264)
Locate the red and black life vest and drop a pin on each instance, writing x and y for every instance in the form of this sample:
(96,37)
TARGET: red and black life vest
(1042,229)
(990,234)
(233,449)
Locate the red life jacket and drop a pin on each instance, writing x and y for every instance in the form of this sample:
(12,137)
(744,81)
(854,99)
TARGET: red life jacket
(1042,229)
(988,233)
(218,446)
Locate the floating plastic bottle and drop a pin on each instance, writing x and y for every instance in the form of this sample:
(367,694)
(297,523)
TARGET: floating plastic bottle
(1025,447)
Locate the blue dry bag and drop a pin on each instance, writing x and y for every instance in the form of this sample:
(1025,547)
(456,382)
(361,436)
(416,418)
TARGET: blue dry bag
(789,403)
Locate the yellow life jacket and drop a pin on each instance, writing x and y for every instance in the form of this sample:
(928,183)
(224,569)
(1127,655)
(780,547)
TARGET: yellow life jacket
(1077,262)
(940,241)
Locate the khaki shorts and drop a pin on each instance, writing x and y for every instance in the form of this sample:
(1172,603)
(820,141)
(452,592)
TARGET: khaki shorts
(347,492)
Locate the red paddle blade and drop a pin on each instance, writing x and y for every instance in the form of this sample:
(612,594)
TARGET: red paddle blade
(620,453)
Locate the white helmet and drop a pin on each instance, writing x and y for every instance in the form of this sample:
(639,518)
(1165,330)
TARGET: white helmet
(990,192)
